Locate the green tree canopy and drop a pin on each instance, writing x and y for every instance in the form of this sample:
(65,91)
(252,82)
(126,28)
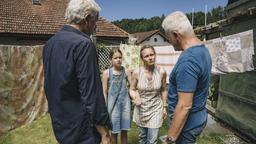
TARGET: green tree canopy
(143,24)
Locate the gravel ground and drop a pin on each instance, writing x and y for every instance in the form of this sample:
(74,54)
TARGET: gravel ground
(229,137)
(232,139)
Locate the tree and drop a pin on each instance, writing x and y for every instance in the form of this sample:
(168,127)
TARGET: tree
(153,23)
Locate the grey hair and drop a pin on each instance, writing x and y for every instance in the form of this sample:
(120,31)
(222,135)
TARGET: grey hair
(177,21)
(78,10)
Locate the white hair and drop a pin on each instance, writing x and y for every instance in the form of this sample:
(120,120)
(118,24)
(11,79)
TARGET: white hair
(78,10)
(177,21)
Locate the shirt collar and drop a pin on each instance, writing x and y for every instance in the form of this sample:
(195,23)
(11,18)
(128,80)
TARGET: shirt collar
(72,29)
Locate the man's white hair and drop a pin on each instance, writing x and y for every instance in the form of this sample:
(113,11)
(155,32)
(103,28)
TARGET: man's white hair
(177,21)
(78,10)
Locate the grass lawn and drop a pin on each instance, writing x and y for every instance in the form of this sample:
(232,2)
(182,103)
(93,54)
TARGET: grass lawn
(40,132)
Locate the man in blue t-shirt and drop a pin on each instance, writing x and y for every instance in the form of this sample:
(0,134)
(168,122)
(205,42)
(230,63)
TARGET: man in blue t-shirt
(189,81)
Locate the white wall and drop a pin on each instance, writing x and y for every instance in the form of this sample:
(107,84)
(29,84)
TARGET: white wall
(160,41)
(166,57)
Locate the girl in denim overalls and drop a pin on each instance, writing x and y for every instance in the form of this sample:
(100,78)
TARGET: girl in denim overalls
(115,90)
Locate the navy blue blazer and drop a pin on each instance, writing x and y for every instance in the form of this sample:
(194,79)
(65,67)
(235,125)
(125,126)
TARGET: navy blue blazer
(73,87)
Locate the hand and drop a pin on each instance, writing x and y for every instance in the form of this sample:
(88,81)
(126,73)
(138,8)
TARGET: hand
(169,140)
(164,113)
(164,139)
(106,139)
(137,101)
(105,134)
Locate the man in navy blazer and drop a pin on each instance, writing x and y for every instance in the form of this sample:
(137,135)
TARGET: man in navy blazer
(72,81)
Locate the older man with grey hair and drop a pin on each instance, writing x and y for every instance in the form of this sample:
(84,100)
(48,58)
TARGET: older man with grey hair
(72,82)
(189,81)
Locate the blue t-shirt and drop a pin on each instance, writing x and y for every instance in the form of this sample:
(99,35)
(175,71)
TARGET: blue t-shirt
(191,74)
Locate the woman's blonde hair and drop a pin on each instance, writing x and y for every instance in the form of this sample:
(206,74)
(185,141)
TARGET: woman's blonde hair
(146,47)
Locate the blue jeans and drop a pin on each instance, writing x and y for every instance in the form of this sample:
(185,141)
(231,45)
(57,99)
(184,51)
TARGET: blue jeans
(148,135)
(189,137)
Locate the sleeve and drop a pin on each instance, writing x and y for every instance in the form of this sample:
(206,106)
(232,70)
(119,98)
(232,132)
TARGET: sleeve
(89,82)
(187,75)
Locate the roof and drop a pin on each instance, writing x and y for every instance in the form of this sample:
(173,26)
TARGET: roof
(22,17)
(142,36)
(105,28)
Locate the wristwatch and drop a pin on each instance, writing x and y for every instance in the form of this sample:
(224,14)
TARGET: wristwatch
(170,140)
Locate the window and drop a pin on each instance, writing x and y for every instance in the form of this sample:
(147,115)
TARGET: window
(36,2)
(155,39)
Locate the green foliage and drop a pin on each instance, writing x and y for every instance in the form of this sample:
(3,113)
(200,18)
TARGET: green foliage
(140,25)
(199,18)
(100,47)
(153,23)
(214,15)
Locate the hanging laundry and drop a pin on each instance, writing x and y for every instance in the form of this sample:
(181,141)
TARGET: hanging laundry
(233,53)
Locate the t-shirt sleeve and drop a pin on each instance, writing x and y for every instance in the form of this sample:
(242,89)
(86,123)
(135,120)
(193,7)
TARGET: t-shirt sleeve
(187,75)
